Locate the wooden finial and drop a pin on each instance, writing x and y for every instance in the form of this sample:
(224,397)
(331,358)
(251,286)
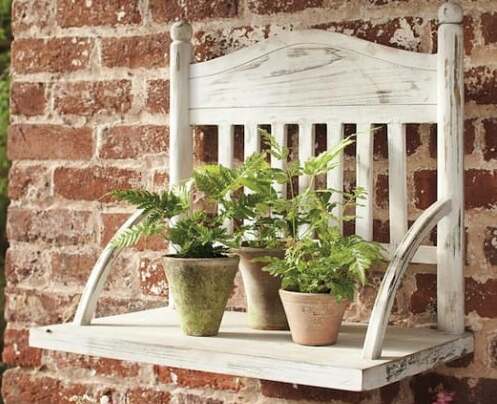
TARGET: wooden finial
(181,31)
(450,13)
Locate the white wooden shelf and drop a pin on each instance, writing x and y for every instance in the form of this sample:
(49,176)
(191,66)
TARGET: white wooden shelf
(153,336)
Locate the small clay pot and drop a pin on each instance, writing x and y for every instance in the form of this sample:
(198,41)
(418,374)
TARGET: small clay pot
(201,288)
(314,318)
(264,308)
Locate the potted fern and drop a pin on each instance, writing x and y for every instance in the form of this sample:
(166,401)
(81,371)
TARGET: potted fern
(321,268)
(201,273)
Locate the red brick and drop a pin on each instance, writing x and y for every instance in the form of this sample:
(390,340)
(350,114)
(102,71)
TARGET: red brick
(88,98)
(490,245)
(380,142)
(113,305)
(25,264)
(61,226)
(24,387)
(49,142)
(72,266)
(281,6)
(381,231)
(29,182)
(81,13)
(413,138)
(111,223)
(152,277)
(92,183)
(101,366)
(160,180)
(16,349)
(489,28)
(149,51)
(425,297)
(56,55)
(490,136)
(425,183)
(39,308)
(195,379)
(205,144)
(147,395)
(158,96)
(130,142)
(191,398)
(480,189)
(31,15)
(481,297)
(28,99)
(481,85)
(299,392)
(192,10)
(382,33)
(492,351)
(381,198)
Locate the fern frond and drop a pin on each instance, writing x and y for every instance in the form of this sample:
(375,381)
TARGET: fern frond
(131,236)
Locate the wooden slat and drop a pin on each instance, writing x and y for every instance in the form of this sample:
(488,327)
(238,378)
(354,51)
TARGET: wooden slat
(307,143)
(279,132)
(226,145)
(334,179)
(364,179)
(397,184)
(252,140)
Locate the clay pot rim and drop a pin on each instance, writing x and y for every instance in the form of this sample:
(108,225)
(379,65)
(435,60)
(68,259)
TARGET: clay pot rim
(258,249)
(232,258)
(290,292)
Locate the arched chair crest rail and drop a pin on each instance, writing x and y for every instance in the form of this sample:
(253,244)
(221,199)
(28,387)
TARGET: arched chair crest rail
(307,78)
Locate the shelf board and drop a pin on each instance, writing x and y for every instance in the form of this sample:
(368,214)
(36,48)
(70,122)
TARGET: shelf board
(153,336)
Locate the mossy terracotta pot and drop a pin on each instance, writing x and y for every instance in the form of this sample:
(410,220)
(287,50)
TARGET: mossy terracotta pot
(201,288)
(264,308)
(314,318)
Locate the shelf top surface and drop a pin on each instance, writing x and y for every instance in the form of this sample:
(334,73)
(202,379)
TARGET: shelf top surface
(153,336)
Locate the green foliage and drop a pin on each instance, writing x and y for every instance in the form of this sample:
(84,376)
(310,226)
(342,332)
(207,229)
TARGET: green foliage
(318,258)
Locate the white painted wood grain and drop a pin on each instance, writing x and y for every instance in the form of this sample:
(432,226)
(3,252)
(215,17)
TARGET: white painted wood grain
(280,133)
(226,154)
(393,277)
(397,182)
(364,179)
(450,160)
(307,145)
(334,178)
(153,336)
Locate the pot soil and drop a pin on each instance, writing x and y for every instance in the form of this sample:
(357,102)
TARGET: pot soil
(314,318)
(264,308)
(201,288)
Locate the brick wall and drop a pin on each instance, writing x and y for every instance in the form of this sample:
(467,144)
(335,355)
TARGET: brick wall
(90,113)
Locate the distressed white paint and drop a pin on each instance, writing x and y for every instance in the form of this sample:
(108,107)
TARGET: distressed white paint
(252,140)
(334,178)
(450,160)
(307,146)
(397,182)
(280,133)
(226,153)
(364,179)
(153,336)
(391,281)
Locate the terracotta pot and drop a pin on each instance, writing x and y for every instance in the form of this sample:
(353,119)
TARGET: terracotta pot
(201,288)
(314,318)
(264,308)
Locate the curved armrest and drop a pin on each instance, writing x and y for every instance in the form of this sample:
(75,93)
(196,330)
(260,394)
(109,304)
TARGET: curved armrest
(96,281)
(405,251)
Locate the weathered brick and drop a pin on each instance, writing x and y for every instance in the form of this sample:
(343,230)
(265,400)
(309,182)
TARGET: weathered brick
(381,195)
(490,137)
(489,27)
(281,6)
(153,277)
(16,349)
(469,138)
(158,96)
(481,297)
(72,266)
(90,98)
(31,182)
(81,13)
(141,395)
(110,306)
(192,10)
(101,366)
(380,141)
(49,142)
(25,264)
(55,55)
(381,231)
(413,138)
(149,51)
(195,379)
(28,99)
(481,85)
(131,142)
(205,144)
(425,183)
(34,15)
(111,223)
(192,398)
(425,297)
(490,245)
(61,226)
(480,188)
(92,183)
